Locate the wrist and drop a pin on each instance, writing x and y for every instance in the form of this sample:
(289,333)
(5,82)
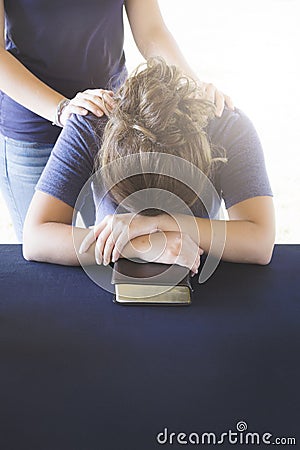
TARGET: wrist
(136,247)
(166,222)
(58,112)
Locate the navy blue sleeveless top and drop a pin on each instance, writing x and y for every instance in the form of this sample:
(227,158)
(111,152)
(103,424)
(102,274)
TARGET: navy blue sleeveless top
(71,45)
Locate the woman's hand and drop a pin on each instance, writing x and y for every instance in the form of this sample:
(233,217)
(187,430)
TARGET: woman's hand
(114,232)
(217,97)
(96,101)
(171,247)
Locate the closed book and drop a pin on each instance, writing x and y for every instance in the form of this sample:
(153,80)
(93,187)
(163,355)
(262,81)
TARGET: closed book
(140,283)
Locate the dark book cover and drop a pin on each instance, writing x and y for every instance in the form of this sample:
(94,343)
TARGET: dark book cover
(137,282)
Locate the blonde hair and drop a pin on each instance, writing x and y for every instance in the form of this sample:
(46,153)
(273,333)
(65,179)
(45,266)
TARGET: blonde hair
(158,109)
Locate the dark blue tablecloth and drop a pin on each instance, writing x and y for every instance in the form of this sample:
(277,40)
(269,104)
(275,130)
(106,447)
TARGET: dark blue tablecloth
(79,372)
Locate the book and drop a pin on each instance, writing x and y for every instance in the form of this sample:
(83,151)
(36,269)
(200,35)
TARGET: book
(142,283)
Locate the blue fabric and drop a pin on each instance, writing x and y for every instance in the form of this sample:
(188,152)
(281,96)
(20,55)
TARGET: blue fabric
(80,372)
(244,175)
(21,165)
(71,45)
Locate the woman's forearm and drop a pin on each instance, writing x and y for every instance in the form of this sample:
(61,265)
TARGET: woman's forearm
(22,86)
(162,43)
(237,240)
(53,242)
(244,241)
(59,243)
(151,34)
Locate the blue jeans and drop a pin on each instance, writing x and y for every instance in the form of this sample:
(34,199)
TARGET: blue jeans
(21,165)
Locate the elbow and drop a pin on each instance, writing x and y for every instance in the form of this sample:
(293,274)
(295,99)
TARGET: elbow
(30,245)
(26,247)
(264,259)
(27,253)
(264,254)
(28,250)
(263,244)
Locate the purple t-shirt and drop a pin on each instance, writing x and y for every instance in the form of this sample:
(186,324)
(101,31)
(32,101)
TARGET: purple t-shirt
(71,45)
(244,176)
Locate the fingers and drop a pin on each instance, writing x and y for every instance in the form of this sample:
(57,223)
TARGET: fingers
(87,242)
(99,234)
(96,101)
(91,237)
(216,97)
(112,243)
(104,245)
(89,102)
(188,253)
(101,97)
(209,92)
(219,103)
(137,225)
(111,235)
(212,94)
(107,97)
(229,103)
(122,240)
(197,261)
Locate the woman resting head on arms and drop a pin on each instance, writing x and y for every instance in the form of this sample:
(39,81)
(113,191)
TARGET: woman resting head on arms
(157,110)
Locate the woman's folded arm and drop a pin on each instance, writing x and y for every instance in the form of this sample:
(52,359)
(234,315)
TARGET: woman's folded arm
(48,232)
(250,232)
(50,237)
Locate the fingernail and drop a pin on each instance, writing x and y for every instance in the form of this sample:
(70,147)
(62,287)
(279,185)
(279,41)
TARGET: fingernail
(99,113)
(98,261)
(81,250)
(115,256)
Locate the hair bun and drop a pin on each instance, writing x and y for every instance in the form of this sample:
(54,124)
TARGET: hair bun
(158,109)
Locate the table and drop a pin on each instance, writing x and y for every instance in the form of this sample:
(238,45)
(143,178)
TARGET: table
(79,372)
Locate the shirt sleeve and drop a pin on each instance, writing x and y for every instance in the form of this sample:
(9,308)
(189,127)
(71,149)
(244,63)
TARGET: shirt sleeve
(71,162)
(244,175)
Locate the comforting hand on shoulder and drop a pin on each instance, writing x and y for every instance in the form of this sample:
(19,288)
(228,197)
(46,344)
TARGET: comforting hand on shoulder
(96,101)
(217,97)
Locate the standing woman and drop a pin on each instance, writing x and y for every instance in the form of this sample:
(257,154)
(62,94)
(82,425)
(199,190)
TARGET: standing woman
(63,57)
